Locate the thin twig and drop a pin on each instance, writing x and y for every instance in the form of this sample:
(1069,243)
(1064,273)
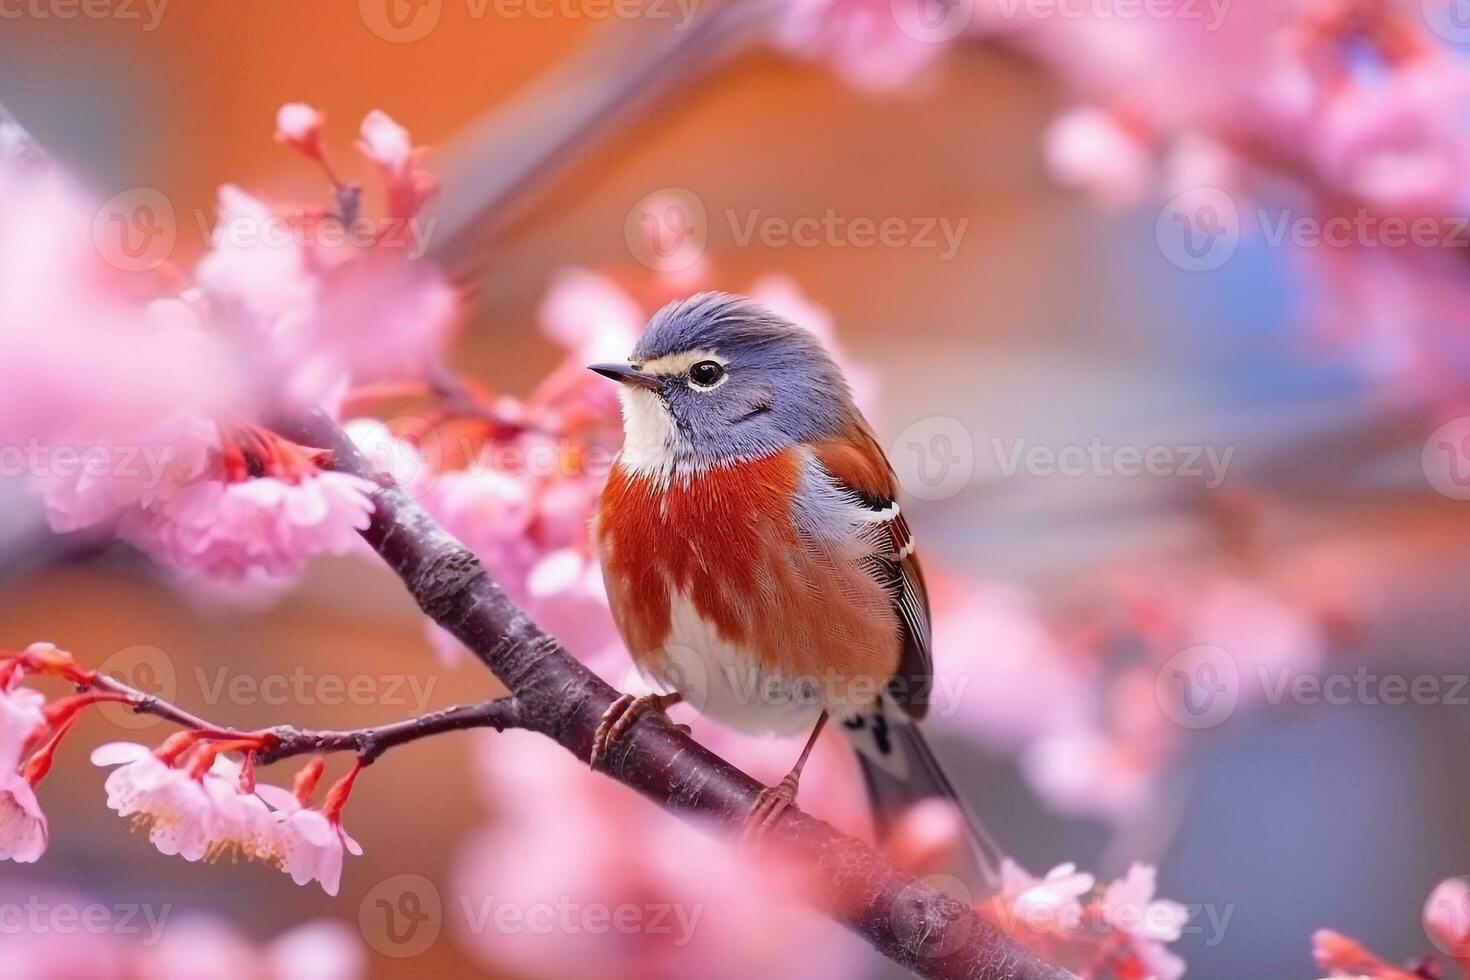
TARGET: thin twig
(284,742)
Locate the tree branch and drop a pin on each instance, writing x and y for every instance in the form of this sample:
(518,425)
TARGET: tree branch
(285,741)
(907,920)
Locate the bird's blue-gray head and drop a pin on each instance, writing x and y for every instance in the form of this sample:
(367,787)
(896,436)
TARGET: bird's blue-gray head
(716,378)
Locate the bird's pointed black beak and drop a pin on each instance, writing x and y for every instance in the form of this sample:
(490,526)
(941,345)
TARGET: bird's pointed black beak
(626,374)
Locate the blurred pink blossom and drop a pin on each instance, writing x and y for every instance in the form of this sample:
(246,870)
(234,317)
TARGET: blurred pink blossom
(387,145)
(190,946)
(21,716)
(1447,917)
(863,41)
(643,895)
(1095,152)
(1056,895)
(299,126)
(1398,141)
(1121,933)
(227,529)
(151,468)
(77,351)
(1008,677)
(23,829)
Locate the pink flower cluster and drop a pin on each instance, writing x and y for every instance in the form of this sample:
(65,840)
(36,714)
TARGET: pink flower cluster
(1346,114)
(194,800)
(23,827)
(200,805)
(218,502)
(78,351)
(1119,931)
(293,304)
(1092,709)
(672,899)
(1446,923)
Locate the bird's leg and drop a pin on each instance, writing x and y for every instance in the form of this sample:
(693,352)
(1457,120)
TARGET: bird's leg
(619,717)
(773,800)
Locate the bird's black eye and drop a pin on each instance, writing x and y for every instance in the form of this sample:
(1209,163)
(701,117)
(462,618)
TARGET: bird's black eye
(707,374)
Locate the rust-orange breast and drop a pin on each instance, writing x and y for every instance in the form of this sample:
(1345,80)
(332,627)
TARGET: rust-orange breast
(725,541)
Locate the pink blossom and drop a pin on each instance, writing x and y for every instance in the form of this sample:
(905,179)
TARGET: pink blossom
(1129,905)
(1264,635)
(77,352)
(185,946)
(1086,772)
(862,40)
(257,266)
(1447,917)
(387,145)
(307,843)
(241,821)
(322,950)
(490,510)
(1091,150)
(21,716)
(170,802)
(1054,897)
(113,478)
(298,125)
(385,317)
(1398,141)
(196,947)
(1032,683)
(387,453)
(276,525)
(591,316)
(927,838)
(23,830)
(727,916)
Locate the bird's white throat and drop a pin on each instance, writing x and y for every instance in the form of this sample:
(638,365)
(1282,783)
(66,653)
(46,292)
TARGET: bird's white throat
(653,446)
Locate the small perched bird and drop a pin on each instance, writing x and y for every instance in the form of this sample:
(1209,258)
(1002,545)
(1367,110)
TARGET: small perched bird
(756,559)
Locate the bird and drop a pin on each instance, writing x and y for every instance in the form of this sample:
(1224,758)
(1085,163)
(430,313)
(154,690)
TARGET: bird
(756,559)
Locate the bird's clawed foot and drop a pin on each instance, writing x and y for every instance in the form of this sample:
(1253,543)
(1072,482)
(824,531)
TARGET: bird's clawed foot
(619,717)
(770,804)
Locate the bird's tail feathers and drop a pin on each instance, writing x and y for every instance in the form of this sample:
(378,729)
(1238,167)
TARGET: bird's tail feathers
(907,772)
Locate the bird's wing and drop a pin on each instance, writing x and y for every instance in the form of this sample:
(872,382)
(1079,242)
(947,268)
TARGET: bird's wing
(857,463)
